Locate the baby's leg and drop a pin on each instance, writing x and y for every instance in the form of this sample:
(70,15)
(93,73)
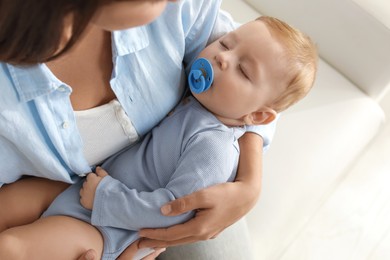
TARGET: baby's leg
(54,237)
(23,201)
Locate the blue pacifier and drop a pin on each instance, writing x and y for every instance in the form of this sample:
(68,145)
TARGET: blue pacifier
(201,76)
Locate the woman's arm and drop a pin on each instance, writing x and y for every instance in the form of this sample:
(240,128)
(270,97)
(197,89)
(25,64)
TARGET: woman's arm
(213,213)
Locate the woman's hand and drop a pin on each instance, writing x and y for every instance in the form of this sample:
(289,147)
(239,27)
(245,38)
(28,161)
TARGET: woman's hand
(217,207)
(128,254)
(131,250)
(87,192)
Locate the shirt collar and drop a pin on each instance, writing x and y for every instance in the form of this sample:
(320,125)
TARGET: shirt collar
(33,81)
(128,41)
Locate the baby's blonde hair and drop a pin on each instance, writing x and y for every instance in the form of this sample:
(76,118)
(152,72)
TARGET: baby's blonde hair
(302,58)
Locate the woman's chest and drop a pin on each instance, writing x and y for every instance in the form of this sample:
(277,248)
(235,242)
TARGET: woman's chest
(87,69)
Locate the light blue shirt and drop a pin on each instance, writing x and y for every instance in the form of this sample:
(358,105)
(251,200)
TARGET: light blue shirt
(38,132)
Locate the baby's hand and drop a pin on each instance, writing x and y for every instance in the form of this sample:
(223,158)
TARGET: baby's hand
(87,192)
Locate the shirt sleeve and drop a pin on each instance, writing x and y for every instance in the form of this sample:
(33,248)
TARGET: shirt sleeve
(223,24)
(198,27)
(206,160)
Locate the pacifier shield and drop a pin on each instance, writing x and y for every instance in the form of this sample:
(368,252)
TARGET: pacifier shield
(201,76)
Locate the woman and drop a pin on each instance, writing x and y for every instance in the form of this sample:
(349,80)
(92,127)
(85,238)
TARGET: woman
(65,62)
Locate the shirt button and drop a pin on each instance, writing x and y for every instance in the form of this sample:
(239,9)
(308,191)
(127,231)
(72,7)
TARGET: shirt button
(61,89)
(65,124)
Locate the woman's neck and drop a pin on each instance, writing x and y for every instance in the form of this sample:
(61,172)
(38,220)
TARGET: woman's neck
(87,69)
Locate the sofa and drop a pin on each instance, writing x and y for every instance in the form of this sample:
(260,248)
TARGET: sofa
(318,140)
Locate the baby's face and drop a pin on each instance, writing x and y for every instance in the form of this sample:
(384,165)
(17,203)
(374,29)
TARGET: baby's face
(249,72)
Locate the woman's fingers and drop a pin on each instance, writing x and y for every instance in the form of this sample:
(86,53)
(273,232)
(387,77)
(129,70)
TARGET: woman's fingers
(202,199)
(155,254)
(201,227)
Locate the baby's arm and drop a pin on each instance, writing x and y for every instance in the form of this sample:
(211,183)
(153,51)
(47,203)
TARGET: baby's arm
(23,201)
(203,163)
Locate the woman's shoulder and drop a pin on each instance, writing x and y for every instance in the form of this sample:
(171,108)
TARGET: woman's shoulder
(191,13)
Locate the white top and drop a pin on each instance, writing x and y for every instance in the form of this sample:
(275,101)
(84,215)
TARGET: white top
(104,130)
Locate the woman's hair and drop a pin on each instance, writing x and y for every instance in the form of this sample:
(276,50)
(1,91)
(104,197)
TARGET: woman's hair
(31,31)
(302,59)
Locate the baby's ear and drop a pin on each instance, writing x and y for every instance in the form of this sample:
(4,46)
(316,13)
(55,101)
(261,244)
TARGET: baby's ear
(261,117)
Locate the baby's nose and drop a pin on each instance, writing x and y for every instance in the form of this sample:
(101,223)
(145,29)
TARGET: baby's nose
(222,61)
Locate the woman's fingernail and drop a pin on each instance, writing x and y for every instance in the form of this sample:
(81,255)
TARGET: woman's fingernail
(166,209)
